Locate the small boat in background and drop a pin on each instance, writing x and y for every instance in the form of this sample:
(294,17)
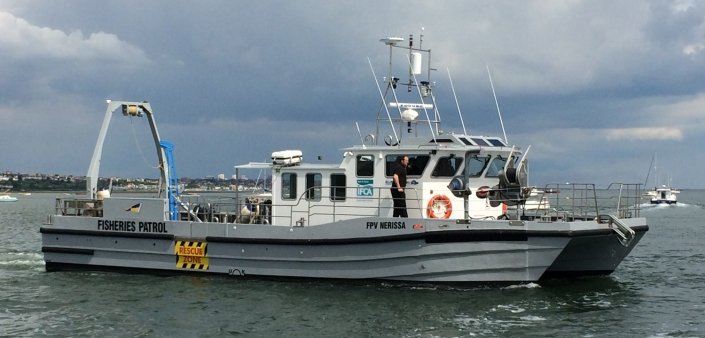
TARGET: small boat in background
(664,195)
(7,198)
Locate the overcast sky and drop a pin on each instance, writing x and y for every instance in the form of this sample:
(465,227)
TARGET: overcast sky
(595,87)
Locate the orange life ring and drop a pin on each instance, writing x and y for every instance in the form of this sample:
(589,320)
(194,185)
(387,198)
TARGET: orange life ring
(439,207)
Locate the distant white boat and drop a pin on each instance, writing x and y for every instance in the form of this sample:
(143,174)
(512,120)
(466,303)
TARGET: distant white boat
(7,198)
(663,194)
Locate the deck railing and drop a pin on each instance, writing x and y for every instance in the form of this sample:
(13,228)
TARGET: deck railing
(584,200)
(79,207)
(554,202)
(344,204)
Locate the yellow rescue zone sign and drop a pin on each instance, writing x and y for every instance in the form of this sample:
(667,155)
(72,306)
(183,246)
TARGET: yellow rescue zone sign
(190,248)
(192,262)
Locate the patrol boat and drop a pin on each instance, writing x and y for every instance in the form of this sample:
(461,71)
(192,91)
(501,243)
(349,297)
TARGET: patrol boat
(466,199)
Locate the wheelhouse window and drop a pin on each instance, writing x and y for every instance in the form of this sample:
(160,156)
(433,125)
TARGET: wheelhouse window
(417,164)
(466,141)
(365,165)
(337,187)
(313,186)
(288,186)
(479,141)
(497,164)
(496,142)
(447,166)
(478,165)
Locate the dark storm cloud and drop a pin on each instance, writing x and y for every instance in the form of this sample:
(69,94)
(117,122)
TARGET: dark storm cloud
(584,82)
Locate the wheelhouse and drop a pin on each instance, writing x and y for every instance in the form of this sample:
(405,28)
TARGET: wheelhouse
(309,194)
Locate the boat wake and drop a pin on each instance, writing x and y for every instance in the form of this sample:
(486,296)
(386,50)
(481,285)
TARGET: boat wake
(649,206)
(22,260)
(523,286)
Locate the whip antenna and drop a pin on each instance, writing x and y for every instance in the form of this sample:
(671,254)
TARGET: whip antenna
(359,133)
(456,102)
(379,89)
(497,104)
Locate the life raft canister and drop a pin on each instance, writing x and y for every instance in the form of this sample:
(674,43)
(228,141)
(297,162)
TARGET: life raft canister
(439,207)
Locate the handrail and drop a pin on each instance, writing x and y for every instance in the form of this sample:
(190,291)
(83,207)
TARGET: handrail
(584,198)
(625,233)
(311,206)
(563,202)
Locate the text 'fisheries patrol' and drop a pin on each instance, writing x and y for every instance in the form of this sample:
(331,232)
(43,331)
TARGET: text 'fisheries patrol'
(131,226)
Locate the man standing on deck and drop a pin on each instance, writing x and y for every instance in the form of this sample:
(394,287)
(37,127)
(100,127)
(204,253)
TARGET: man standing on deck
(398,186)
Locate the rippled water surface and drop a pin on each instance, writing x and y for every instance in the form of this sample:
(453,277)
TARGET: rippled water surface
(658,291)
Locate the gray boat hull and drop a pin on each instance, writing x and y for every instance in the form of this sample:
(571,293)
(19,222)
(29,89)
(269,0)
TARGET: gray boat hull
(417,250)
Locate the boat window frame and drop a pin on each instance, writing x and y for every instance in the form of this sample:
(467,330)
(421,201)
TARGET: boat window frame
(365,168)
(496,142)
(443,164)
(483,167)
(335,188)
(313,187)
(416,167)
(288,184)
(497,169)
(480,141)
(466,141)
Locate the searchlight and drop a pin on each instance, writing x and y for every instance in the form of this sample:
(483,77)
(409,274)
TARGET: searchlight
(131,110)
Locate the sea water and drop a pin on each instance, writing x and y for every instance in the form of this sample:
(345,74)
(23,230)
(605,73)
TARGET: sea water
(657,291)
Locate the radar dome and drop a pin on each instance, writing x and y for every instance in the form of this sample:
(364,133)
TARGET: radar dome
(409,115)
